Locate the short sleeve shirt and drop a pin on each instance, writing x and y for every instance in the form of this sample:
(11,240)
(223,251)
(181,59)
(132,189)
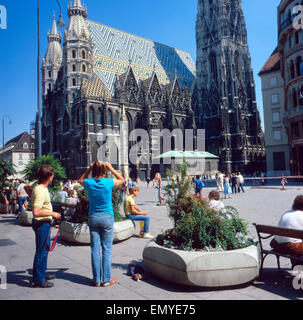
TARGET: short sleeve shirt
(129,201)
(41,199)
(99,193)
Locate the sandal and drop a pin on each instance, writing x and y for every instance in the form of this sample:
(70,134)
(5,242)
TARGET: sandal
(110,283)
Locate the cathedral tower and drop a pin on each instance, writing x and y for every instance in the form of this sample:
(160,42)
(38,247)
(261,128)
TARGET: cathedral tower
(225,100)
(77,51)
(52,61)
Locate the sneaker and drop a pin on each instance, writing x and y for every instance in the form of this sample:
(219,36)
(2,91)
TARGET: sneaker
(148,236)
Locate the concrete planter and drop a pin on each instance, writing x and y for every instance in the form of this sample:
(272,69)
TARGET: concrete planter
(77,233)
(26,218)
(202,269)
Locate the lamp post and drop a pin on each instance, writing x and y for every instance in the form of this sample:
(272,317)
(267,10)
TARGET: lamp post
(10,122)
(61,24)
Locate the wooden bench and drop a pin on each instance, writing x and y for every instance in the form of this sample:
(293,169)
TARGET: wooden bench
(271,231)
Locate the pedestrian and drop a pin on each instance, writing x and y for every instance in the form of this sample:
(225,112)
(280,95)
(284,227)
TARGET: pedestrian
(283,181)
(234,183)
(214,201)
(101,219)
(291,219)
(12,200)
(227,188)
(43,214)
(240,182)
(220,182)
(148,181)
(21,195)
(159,186)
(134,213)
(198,186)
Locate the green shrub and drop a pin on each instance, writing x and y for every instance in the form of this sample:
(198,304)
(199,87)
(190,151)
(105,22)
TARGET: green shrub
(82,209)
(196,226)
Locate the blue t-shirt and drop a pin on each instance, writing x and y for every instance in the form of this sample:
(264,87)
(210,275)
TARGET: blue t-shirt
(99,195)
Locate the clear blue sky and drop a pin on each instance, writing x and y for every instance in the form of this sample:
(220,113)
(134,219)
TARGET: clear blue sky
(171,22)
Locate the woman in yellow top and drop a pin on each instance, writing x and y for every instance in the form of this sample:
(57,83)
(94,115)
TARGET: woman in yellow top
(43,214)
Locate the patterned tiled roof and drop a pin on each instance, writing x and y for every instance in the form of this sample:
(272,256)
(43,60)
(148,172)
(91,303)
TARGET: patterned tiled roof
(115,50)
(94,88)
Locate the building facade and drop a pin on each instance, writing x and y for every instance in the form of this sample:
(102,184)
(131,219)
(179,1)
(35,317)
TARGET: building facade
(19,152)
(290,46)
(102,78)
(276,140)
(224,100)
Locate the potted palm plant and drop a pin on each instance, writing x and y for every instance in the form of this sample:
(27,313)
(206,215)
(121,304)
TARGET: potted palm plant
(205,248)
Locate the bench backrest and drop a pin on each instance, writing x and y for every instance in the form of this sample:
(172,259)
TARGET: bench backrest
(277,231)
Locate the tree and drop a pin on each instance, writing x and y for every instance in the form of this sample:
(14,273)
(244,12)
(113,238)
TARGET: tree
(31,171)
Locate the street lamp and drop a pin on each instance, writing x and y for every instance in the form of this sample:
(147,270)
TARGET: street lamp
(61,24)
(10,122)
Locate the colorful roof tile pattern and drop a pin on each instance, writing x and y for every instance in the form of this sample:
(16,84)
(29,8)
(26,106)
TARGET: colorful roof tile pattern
(116,50)
(94,88)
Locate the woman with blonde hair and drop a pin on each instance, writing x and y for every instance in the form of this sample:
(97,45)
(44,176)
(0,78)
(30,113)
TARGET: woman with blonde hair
(101,218)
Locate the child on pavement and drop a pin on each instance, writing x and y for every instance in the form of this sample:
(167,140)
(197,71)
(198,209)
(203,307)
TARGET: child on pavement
(134,213)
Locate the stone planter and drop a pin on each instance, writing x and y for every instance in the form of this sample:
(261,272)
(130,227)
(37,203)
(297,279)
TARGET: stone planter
(202,269)
(77,233)
(26,218)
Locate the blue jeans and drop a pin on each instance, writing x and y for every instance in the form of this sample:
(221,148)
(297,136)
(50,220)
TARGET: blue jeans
(21,201)
(146,220)
(42,231)
(101,227)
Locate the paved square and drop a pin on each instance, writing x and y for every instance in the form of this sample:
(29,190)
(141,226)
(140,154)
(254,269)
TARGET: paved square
(73,269)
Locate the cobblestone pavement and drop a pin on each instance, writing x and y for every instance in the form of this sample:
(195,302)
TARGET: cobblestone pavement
(71,264)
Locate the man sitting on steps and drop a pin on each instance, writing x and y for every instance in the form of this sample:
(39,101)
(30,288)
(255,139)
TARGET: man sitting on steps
(134,213)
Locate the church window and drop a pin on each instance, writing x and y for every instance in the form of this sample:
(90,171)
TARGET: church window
(74,68)
(99,117)
(83,54)
(213,66)
(83,68)
(292,70)
(49,74)
(74,82)
(66,122)
(25,146)
(109,118)
(297,37)
(91,115)
(117,117)
(74,54)
(49,87)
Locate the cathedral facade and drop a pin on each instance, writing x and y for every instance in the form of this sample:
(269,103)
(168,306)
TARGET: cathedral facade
(224,100)
(98,78)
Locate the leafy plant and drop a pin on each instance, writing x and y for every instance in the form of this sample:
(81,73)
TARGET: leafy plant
(31,170)
(6,170)
(82,210)
(196,226)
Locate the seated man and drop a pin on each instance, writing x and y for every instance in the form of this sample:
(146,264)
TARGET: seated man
(292,219)
(134,213)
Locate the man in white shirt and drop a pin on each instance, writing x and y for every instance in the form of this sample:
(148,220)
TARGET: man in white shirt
(240,182)
(292,219)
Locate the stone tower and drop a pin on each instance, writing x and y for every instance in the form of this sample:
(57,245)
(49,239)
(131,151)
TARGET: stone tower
(77,48)
(53,59)
(224,98)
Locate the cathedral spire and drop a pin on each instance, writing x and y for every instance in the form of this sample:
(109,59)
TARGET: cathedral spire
(54,34)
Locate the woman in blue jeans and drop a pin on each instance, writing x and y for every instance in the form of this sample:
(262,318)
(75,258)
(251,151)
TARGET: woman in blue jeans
(101,219)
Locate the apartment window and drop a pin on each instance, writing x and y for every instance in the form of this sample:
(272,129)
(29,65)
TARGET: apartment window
(274,99)
(273,81)
(297,37)
(279,161)
(276,116)
(25,146)
(277,134)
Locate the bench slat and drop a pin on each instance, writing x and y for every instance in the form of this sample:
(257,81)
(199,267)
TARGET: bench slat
(277,231)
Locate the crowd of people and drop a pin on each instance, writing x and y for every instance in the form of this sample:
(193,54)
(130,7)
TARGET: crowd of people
(99,190)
